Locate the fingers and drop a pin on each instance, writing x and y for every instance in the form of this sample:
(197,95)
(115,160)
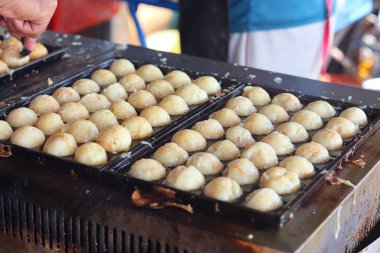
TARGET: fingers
(30,43)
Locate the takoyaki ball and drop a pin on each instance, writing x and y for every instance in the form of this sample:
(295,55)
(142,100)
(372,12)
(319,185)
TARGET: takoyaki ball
(174,105)
(280,143)
(314,152)
(224,189)
(5,130)
(343,126)
(91,153)
(38,52)
(225,150)
(263,200)
(355,115)
(160,89)
(73,111)
(3,67)
(103,77)
(257,95)
(242,106)
(95,102)
(295,131)
(177,78)
(115,139)
(156,116)
(299,165)
(280,180)
(138,127)
(10,54)
(86,86)
(210,129)
(208,84)
(44,104)
(50,123)
(103,119)
(192,94)
(308,119)
(185,178)
(114,92)
(206,163)
(322,108)
(122,67)
(122,109)
(142,99)
(287,101)
(261,154)
(22,116)
(28,137)
(258,124)
(275,113)
(66,94)
(171,155)
(226,117)
(240,136)
(132,82)
(60,144)
(243,171)
(149,73)
(82,130)
(189,140)
(329,139)
(148,170)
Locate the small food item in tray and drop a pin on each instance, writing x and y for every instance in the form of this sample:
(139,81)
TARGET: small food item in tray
(103,77)
(263,200)
(330,139)
(261,154)
(28,137)
(22,116)
(314,152)
(257,95)
(65,95)
(226,117)
(38,52)
(208,84)
(322,108)
(122,67)
(281,180)
(95,102)
(122,109)
(243,171)
(86,86)
(171,155)
(355,115)
(44,104)
(73,111)
(50,123)
(3,67)
(224,189)
(192,94)
(280,143)
(275,113)
(225,150)
(240,136)
(5,130)
(295,131)
(211,129)
(308,119)
(242,106)
(148,170)
(114,92)
(149,73)
(185,178)
(177,78)
(190,140)
(299,165)
(287,101)
(60,144)
(174,105)
(10,53)
(156,116)
(103,119)
(206,163)
(132,82)
(91,153)
(343,126)
(258,124)
(142,99)
(160,89)
(115,139)
(82,130)
(138,127)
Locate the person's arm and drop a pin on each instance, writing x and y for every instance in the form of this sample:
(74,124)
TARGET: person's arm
(26,18)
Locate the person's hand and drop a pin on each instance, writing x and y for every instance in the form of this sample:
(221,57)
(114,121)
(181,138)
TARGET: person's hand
(26,18)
